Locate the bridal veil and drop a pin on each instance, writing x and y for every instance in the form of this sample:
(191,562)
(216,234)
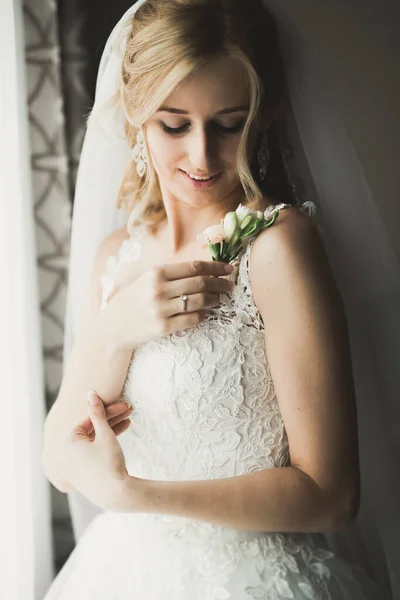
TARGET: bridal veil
(341,70)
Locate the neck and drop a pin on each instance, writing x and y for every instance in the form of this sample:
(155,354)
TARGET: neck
(184,222)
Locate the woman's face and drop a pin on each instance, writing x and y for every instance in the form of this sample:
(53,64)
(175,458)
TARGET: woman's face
(196,133)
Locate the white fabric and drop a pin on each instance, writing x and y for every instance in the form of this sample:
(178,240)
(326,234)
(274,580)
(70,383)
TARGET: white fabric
(357,220)
(104,157)
(26,552)
(210,412)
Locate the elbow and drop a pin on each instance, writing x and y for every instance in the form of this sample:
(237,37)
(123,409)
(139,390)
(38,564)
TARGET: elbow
(52,471)
(344,511)
(53,477)
(47,471)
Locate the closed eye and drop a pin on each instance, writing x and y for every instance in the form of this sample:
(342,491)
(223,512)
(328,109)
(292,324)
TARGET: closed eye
(220,128)
(174,130)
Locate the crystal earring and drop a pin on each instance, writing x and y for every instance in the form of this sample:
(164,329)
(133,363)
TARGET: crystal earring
(263,156)
(139,154)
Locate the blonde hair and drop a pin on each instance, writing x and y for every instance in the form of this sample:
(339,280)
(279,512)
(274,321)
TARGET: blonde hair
(167,40)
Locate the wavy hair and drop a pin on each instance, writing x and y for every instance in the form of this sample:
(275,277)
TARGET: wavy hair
(167,40)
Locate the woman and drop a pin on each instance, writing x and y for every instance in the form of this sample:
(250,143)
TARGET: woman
(242,447)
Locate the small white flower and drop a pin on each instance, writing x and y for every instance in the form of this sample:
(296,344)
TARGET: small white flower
(230,225)
(236,230)
(242,212)
(212,235)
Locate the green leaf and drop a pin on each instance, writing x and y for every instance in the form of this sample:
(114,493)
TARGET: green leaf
(236,254)
(273,219)
(214,249)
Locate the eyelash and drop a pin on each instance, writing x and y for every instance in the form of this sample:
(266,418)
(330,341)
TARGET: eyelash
(183,129)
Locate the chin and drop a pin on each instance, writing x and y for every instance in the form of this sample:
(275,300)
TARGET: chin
(199,197)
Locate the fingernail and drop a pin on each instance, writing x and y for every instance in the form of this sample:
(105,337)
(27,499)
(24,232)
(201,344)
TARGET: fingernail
(228,268)
(92,397)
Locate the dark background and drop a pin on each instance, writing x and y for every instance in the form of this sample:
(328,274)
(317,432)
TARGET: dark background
(83,31)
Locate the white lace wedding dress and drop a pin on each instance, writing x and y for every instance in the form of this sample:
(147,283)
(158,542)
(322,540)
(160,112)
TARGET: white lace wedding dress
(204,408)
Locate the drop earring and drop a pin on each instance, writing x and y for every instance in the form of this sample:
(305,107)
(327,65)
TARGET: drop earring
(263,156)
(139,154)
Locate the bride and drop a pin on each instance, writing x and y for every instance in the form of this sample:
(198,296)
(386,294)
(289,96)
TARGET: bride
(241,447)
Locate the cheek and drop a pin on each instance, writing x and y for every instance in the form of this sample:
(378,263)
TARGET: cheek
(164,152)
(232,148)
(228,151)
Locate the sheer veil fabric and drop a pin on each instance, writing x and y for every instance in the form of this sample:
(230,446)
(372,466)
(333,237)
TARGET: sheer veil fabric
(357,212)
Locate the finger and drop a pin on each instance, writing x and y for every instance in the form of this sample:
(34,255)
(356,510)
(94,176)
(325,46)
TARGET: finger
(197,285)
(121,427)
(120,417)
(117,408)
(195,303)
(112,411)
(117,429)
(194,268)
(97,414)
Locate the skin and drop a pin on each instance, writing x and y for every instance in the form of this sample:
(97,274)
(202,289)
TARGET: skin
(202,149)
(305,332)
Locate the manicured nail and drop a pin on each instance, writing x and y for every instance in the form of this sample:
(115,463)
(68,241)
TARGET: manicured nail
(92,397)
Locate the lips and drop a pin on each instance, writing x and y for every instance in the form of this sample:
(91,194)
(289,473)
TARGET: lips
(199,183)
(203,177)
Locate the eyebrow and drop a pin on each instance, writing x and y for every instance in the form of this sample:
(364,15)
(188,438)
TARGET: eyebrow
(224,111)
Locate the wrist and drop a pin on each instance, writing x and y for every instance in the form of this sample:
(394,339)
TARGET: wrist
(135,495)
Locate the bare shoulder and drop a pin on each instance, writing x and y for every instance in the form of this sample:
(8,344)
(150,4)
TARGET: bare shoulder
(291,229)
(110,245)
(289,257)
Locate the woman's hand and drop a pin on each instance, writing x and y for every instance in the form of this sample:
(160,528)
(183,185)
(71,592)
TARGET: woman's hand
(93,462)
(117,415)
(150,306)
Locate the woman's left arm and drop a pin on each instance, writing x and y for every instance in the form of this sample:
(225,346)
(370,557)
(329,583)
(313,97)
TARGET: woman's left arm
(309,356)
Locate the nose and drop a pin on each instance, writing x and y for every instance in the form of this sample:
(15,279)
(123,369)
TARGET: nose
(202,150)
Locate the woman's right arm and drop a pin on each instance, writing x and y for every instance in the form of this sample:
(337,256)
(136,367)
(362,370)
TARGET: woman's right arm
(94,363)
(145,309)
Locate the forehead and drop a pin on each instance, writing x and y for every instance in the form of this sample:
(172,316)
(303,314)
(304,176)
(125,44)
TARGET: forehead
(219,84)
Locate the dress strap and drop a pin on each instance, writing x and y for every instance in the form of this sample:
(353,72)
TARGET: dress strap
(242,295)
(309,208)
(271,209)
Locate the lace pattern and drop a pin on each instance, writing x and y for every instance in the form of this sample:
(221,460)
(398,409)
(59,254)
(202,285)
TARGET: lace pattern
(130,250)
(204,406)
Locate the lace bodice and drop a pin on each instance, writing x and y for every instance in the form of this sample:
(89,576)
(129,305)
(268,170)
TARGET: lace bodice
(204,403)
(204,407)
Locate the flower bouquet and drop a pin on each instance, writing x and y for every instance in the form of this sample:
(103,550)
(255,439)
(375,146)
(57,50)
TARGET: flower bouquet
(227,240)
